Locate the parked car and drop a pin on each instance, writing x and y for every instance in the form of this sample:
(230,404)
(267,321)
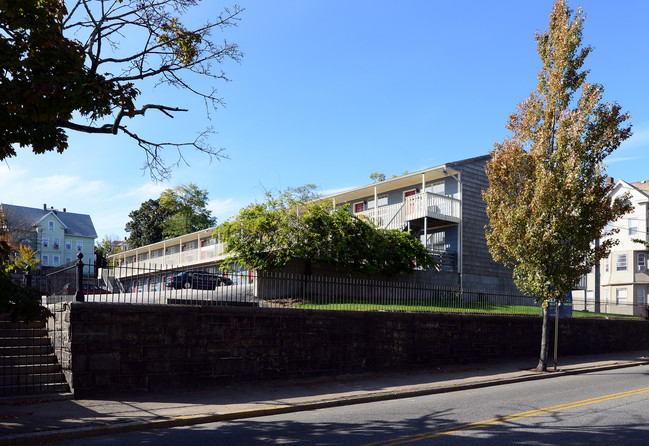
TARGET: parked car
(91,288)
(197,280)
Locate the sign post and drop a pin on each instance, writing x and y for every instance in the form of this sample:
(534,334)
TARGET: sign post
(565,310)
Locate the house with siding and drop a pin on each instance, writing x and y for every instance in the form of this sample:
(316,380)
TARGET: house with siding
(620,283)
(56,236)
(442,206)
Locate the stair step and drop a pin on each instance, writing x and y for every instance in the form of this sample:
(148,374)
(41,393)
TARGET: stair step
(31,379)
(13,341)
(22,332)
(27,359)
(24,369)
(5,322)
(36,389)
(26,350)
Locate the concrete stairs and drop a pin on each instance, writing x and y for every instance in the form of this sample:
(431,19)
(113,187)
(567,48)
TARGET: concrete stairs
(28,365)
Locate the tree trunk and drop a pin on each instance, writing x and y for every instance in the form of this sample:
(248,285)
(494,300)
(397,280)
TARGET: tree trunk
(543,359)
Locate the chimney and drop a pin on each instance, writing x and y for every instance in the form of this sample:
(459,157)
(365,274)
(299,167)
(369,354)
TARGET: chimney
(610,181)
(44,206)
(63,209)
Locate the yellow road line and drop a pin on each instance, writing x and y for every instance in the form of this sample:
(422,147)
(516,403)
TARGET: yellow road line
(506,418)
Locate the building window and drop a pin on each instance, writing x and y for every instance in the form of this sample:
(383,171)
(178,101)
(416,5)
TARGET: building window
(359,207)
(640,296)
(57,242)
(44,260)
(621,262)
(633,226)
(56,261)
(50,225)
(641,261)
(68,260)
(437,187)
(606,262)
(620,296)
(68,244)
(46,242)
(79,246)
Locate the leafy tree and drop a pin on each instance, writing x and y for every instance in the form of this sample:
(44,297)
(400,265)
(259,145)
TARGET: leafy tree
(265,236)
(23,303)
(377,177)
(176,212)
(547,200)
(26,258)
(104,249)
(146,224)
(51,83)
(187,208)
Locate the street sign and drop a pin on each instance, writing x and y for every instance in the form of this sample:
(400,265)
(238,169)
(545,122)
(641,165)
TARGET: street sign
(565,307)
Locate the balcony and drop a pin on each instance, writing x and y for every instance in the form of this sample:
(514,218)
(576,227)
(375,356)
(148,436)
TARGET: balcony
(423,205)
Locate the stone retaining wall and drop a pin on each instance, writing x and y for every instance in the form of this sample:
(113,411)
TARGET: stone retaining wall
(147,348)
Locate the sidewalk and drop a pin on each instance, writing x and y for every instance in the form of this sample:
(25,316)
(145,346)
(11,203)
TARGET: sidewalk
(32,421)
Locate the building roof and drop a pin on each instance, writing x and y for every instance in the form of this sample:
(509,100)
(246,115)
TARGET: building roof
(642,185)
(73,224)
(406,180)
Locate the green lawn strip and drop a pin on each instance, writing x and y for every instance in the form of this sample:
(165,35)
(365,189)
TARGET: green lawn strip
(452,307)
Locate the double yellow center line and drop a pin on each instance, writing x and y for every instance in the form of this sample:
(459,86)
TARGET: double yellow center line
(504,419)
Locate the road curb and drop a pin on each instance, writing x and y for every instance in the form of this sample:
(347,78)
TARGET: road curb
(88,431)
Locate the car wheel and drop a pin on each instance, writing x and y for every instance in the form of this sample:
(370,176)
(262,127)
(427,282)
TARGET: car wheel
(187,285)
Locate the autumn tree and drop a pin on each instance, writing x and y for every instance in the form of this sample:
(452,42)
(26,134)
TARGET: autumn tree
(266,236)
(176,212)
(547,200)
(79,65)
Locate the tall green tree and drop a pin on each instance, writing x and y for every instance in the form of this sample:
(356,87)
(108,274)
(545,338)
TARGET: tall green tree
(266,236)
(77,65)
(187,206)
(146,224)
(547,200)
(176,212)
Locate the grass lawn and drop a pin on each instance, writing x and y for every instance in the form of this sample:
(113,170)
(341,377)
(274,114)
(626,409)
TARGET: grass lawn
(448,307)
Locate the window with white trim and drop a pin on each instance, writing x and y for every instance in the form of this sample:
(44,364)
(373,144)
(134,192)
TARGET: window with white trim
(620,296)
(68,244)
(46,242)
(640,295)
(68,260)
(606,264)
(620,264)
(56,242)
(633,226)
(641,261)
(56,261)
(50,225)
(44,260)
(359,207)
(79,246)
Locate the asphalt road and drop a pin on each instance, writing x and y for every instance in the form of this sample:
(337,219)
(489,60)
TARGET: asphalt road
(606,407)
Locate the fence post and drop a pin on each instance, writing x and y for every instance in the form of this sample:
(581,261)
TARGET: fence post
(28,276)
(79,294)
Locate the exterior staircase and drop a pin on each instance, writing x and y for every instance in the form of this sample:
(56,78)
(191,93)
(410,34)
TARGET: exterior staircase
(28,365)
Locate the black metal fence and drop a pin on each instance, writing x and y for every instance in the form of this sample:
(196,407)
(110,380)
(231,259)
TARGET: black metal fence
(214,286)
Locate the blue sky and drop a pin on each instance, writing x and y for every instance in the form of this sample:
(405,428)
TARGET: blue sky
(330,91)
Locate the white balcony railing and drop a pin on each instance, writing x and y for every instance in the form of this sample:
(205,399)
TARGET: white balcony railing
(396,216)
(186,258)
